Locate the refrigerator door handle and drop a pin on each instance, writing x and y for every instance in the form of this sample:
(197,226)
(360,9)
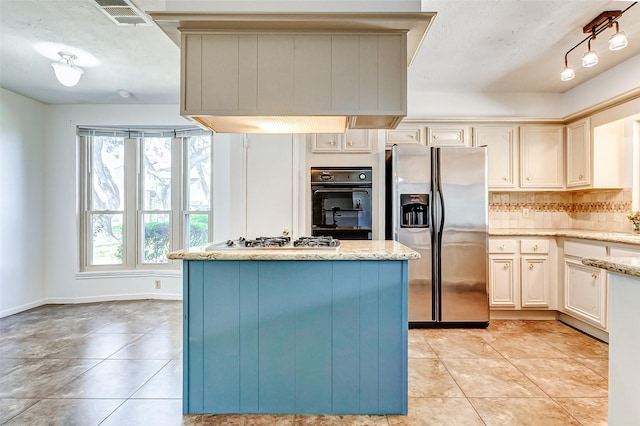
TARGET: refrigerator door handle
(435,254)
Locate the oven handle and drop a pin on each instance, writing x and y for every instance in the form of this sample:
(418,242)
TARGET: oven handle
(366,191)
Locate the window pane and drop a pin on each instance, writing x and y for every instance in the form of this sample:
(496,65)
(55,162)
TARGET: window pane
(107,173)
(156,169)
(156,238)
(106,241)
(199,173)
(197,229)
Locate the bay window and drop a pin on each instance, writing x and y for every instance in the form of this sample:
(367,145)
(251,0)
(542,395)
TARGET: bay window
(143,193)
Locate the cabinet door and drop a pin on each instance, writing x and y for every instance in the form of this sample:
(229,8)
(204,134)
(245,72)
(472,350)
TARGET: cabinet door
(535,282)
(501,152)
(269,165)
(447,135)
(541,157)
(502,282)
(356,140)
(578,154)
(407,136)
(326,142)
(585,292)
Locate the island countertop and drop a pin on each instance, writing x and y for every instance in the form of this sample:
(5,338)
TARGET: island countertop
(621,265)
(348,250)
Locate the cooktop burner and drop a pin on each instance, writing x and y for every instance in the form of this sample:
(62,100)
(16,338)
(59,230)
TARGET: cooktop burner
(316,242)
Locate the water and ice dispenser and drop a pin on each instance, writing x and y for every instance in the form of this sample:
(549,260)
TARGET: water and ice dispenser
(414,210)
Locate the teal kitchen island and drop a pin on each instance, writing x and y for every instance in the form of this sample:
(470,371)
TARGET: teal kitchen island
(309,331)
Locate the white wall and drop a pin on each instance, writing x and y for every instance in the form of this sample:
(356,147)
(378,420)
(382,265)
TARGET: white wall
(22,142)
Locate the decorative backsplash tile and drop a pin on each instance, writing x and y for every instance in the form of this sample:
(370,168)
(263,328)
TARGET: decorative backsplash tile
(602,210)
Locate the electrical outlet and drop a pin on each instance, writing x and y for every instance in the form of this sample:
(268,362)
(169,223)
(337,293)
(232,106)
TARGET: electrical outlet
(525,212)
(158,284)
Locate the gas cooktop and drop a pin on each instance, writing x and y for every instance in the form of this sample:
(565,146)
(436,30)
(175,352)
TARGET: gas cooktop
(281,242)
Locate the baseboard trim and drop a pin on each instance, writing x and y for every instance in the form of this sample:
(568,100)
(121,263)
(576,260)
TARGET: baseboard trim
(89,299)
(22,308)
(584,327)
(523,315)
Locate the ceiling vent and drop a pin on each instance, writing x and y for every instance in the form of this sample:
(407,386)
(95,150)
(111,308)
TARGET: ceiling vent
(122,12)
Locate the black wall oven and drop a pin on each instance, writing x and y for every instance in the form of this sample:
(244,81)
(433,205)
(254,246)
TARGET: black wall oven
(341,202)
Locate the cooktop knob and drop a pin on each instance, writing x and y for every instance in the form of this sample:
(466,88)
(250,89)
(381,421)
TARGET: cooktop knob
(362,176)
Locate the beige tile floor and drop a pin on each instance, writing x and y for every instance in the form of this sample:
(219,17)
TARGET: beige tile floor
(119,363)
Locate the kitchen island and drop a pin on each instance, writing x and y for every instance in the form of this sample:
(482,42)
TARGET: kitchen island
(624,344)
(296,330)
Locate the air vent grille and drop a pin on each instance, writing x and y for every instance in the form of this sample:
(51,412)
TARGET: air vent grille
(122,12)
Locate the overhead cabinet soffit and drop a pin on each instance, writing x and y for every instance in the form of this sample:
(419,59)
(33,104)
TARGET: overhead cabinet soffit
(295,73)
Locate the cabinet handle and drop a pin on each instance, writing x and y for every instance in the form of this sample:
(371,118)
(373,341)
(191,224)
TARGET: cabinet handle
(594,276)
(506,266)
(332,143)
(535,247)
(531,266)
(350,143)
(580,176)
(529,178)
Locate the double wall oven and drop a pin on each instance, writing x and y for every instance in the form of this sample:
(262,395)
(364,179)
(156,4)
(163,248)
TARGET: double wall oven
(341,202)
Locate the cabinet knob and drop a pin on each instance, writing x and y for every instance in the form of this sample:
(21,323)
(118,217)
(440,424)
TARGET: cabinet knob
(535,247)
(594,276)
(529,178)
(332,142)
(504,178)
(412,136)
(580,176)
(435,137)
(502,247)
(531,266)
(506,266)
(350,143)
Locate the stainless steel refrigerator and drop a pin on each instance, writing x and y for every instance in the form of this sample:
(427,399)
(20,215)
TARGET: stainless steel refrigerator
(439,208)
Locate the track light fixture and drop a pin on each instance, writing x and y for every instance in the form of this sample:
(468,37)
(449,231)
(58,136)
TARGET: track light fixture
(618,40)
(67,73)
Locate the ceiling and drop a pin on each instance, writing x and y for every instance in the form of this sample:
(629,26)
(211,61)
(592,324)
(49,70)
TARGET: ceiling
(471,46)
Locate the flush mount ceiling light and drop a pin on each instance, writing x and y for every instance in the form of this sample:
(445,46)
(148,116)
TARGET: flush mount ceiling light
(618,40)
(67,73)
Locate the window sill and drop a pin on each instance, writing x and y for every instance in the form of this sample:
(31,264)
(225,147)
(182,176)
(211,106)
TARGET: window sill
(128,273)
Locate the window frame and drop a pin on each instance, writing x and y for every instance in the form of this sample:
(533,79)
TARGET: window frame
(133,226)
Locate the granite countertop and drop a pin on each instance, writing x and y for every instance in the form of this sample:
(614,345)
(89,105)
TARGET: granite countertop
(621,265)
(609,237)
(348,250)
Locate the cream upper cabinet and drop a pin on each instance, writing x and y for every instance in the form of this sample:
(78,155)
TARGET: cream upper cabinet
(578,153)
(448,135)
(354,140)
(541,157)
(404,136)
(502,152)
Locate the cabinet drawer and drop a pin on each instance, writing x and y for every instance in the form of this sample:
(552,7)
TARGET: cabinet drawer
(447,136)
(580,249)
(625,252)
(502,246)
(534,246)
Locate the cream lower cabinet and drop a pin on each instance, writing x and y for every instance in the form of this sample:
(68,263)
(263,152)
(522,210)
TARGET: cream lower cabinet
(585,287)
(520,274)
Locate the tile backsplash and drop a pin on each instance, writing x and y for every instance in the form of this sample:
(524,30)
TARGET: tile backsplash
(598,210)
